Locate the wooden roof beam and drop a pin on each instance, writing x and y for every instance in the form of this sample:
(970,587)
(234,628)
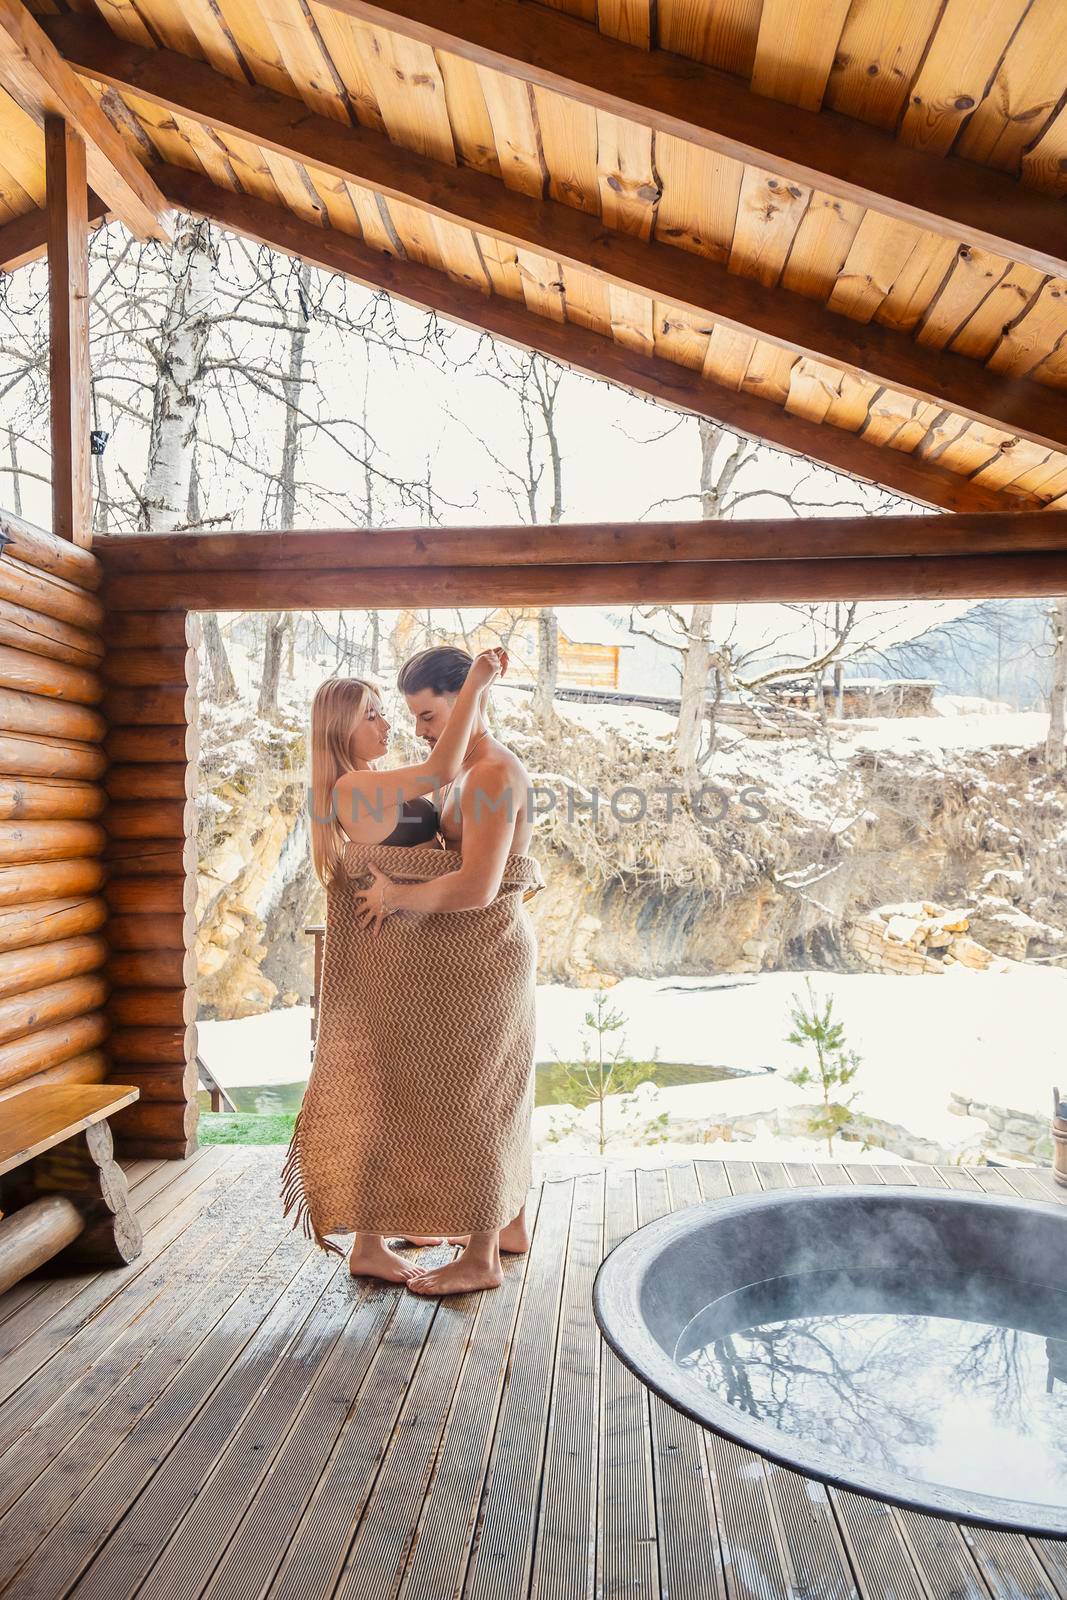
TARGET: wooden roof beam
(591,353)
(673,94)
(26,238)
(35,74)
(563,233)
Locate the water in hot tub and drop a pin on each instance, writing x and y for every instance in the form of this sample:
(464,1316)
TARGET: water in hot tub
(958,1383)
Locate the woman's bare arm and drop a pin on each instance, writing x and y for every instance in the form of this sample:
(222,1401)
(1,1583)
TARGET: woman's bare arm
(368,801)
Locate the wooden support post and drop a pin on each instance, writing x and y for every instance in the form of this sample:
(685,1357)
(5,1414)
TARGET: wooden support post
(68,303)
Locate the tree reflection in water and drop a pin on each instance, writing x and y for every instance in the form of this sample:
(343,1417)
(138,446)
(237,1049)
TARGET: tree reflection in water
(903,1391)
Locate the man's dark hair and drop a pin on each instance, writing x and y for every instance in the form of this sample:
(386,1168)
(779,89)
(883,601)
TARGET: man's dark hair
(442,669)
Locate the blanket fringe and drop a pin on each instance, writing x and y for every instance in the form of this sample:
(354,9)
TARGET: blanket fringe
(293,1196)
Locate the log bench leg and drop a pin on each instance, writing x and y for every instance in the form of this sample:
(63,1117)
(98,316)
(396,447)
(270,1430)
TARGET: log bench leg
(77,1178)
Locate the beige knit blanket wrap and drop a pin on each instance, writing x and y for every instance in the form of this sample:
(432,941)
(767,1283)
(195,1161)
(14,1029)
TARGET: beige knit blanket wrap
(416,1117)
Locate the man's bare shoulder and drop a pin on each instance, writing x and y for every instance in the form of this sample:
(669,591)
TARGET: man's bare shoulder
(498,766)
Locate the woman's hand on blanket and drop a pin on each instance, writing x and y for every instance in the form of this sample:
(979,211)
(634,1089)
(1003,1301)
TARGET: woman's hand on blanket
(372,905)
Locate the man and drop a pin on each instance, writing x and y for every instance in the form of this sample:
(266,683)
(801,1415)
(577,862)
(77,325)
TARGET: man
(484,814)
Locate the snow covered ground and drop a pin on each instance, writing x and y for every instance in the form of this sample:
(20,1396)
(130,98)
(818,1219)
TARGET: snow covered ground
(998,1036)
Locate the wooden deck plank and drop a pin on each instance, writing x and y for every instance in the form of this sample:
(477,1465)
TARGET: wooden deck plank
(503,1549)
(565,1545)
(689,1553)
(187,1561)
(446,1524)
(146,1349)
(93,1445)
(51,1320)
(169,1450)
(627,1538)
(316,1551)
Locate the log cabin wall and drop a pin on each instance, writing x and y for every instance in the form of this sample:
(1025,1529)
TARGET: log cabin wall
(150,671)
(53,909)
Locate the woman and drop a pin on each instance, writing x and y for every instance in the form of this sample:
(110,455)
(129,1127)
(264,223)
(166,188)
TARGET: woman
(354,800)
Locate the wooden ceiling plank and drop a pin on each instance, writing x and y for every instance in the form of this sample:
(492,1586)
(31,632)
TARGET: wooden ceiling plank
(983,331)
(335,197)
(501,263)
(898,421)
(163,133)
(1013,462)
(879,253)
(769,212)
(1025,92)
(460,255)
(341,38)
(974,448)
(666,382)
(628,20)
(247,26)
(728,355)
(917,282)
(679,337)
(410,92)
(697,187)
(372,224)
(706,106)
(851,403)
(587,301)
(958,66)
(631,320)
(296,189)
(629,187)
(23,148)
(35,75)
(510,109)
(1044,166)
(795,49)
(293,31)
(123,18)
(723,35)
(974,275)
(697,209)
(767,373)
(251,168)
(878,54)
(1027,341)
(472,130)
(569,145)
(820,246)
(542,285)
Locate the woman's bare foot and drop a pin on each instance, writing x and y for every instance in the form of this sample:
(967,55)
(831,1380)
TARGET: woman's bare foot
(458,1277)
(372,1258)
(420,1240)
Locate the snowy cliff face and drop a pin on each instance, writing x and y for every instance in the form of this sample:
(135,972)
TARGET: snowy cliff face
(956,809)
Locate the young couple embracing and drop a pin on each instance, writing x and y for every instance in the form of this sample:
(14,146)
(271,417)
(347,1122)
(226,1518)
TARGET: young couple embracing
(416,1119)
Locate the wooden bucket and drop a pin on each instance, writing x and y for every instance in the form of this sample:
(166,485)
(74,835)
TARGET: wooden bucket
(1059,1138)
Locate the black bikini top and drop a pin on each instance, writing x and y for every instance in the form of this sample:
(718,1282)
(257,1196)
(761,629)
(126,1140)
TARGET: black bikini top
(418,825)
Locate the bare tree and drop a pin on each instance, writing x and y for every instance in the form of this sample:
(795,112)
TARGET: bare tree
(1055,749)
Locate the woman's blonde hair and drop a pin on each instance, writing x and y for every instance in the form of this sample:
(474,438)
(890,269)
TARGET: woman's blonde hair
(339,706)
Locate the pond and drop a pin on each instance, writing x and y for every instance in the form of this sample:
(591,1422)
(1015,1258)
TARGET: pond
(554,1086)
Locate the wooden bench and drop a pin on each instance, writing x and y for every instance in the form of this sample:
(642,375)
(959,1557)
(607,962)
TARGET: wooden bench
(61,1188)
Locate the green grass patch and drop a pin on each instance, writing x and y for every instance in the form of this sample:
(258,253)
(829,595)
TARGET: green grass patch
(238,1127)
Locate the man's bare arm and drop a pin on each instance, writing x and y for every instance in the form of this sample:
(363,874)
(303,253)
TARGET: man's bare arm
(489,807)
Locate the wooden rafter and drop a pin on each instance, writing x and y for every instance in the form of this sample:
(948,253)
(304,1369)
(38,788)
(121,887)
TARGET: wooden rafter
(68,326)
(563,233)
(35,74)
(26,238)
(676,95)
(664,381)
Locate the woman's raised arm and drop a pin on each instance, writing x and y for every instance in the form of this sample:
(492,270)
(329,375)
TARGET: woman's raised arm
(367,799)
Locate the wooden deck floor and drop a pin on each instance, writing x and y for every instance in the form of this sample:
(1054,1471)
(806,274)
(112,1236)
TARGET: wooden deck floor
(233,1416)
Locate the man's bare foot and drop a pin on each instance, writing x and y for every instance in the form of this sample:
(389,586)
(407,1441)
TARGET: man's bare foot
(514,1238)
(458,1277)
(372,1258)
